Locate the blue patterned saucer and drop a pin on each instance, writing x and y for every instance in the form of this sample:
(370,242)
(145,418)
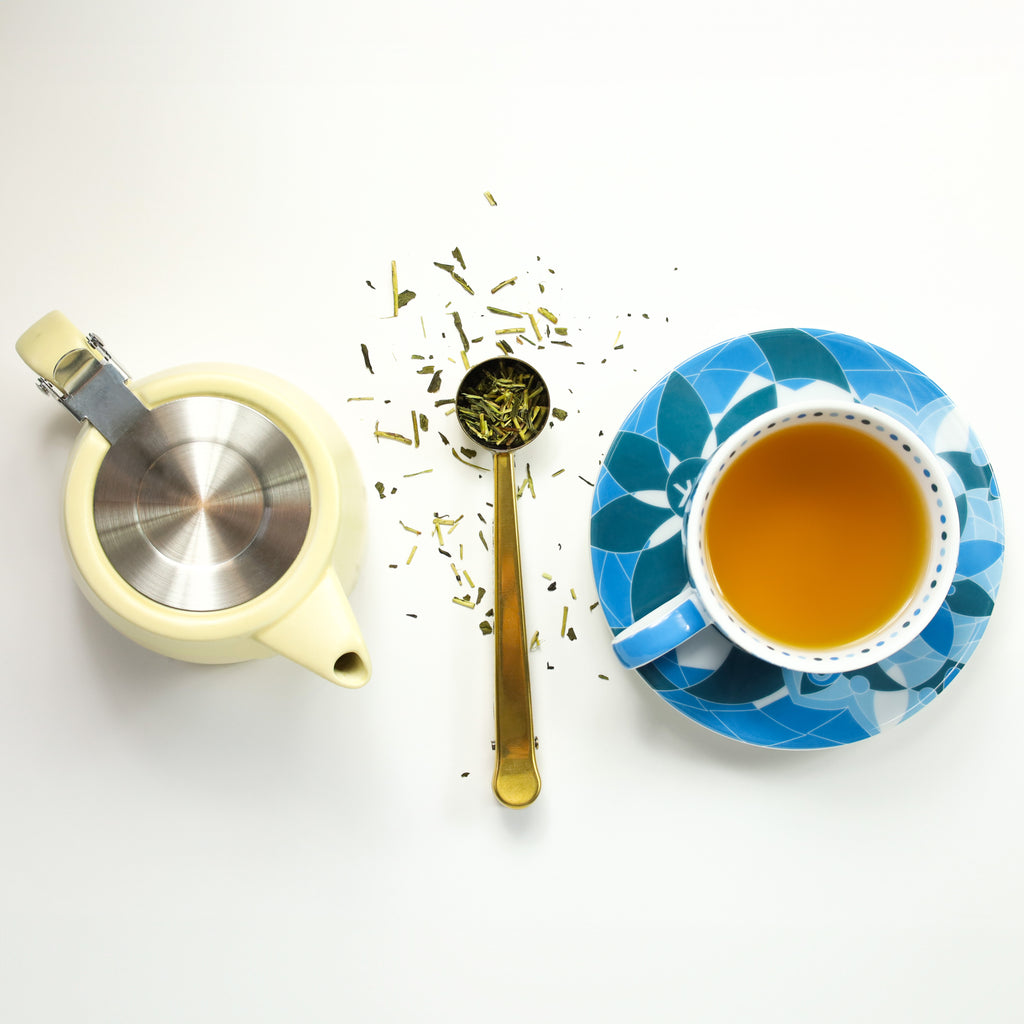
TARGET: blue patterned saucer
(638,558)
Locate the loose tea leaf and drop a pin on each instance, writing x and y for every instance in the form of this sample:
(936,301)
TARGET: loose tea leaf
(390,435)
(462,333)
(475,465)
(505,406)
(490,199)
(536,329)
(456,277)
(366,357)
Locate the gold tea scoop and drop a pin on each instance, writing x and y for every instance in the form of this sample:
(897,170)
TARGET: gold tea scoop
(503,404)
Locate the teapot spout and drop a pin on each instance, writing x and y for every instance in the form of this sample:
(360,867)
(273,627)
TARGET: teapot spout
(321,634)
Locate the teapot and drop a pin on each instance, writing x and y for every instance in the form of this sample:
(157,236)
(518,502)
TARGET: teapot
(212,513)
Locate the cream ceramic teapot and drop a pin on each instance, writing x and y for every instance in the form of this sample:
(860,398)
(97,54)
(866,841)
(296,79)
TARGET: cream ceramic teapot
(212,513)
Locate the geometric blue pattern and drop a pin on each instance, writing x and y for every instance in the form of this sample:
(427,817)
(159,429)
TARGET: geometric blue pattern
(637,545)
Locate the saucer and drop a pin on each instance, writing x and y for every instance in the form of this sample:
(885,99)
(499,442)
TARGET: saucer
(637,549)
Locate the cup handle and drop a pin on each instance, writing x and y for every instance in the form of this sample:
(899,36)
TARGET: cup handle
(661,630)
(321,634)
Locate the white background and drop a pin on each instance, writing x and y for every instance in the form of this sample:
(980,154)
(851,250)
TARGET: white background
(218,179)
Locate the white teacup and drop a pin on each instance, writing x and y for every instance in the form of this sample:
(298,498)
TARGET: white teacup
(851,535)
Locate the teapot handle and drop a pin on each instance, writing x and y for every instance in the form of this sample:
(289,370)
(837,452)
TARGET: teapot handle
(80,373)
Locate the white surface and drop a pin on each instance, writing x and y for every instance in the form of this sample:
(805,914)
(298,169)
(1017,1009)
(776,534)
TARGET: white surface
(217,180)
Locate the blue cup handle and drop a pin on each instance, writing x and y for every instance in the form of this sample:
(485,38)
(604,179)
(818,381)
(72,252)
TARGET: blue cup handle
(661,630)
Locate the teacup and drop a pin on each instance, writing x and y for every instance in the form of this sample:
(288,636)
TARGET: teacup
(821,537)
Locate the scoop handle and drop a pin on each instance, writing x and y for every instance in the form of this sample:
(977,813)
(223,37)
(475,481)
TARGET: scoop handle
(516,780)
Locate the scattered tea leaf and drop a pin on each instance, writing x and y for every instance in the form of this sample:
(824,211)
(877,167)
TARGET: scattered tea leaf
(490,199)
(559,414)
(462,333)
(380,488)
(366,357)
(390,435)
(547,314)
(536,329)
(475,465)
(435,384)
(485,627)
(458,256)
(461,281)
(404,298)
(503,284)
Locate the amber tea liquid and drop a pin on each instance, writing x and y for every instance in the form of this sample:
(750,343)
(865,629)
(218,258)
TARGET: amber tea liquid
(816,535)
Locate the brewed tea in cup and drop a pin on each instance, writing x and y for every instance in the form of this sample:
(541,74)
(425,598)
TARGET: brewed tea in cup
(820,537)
